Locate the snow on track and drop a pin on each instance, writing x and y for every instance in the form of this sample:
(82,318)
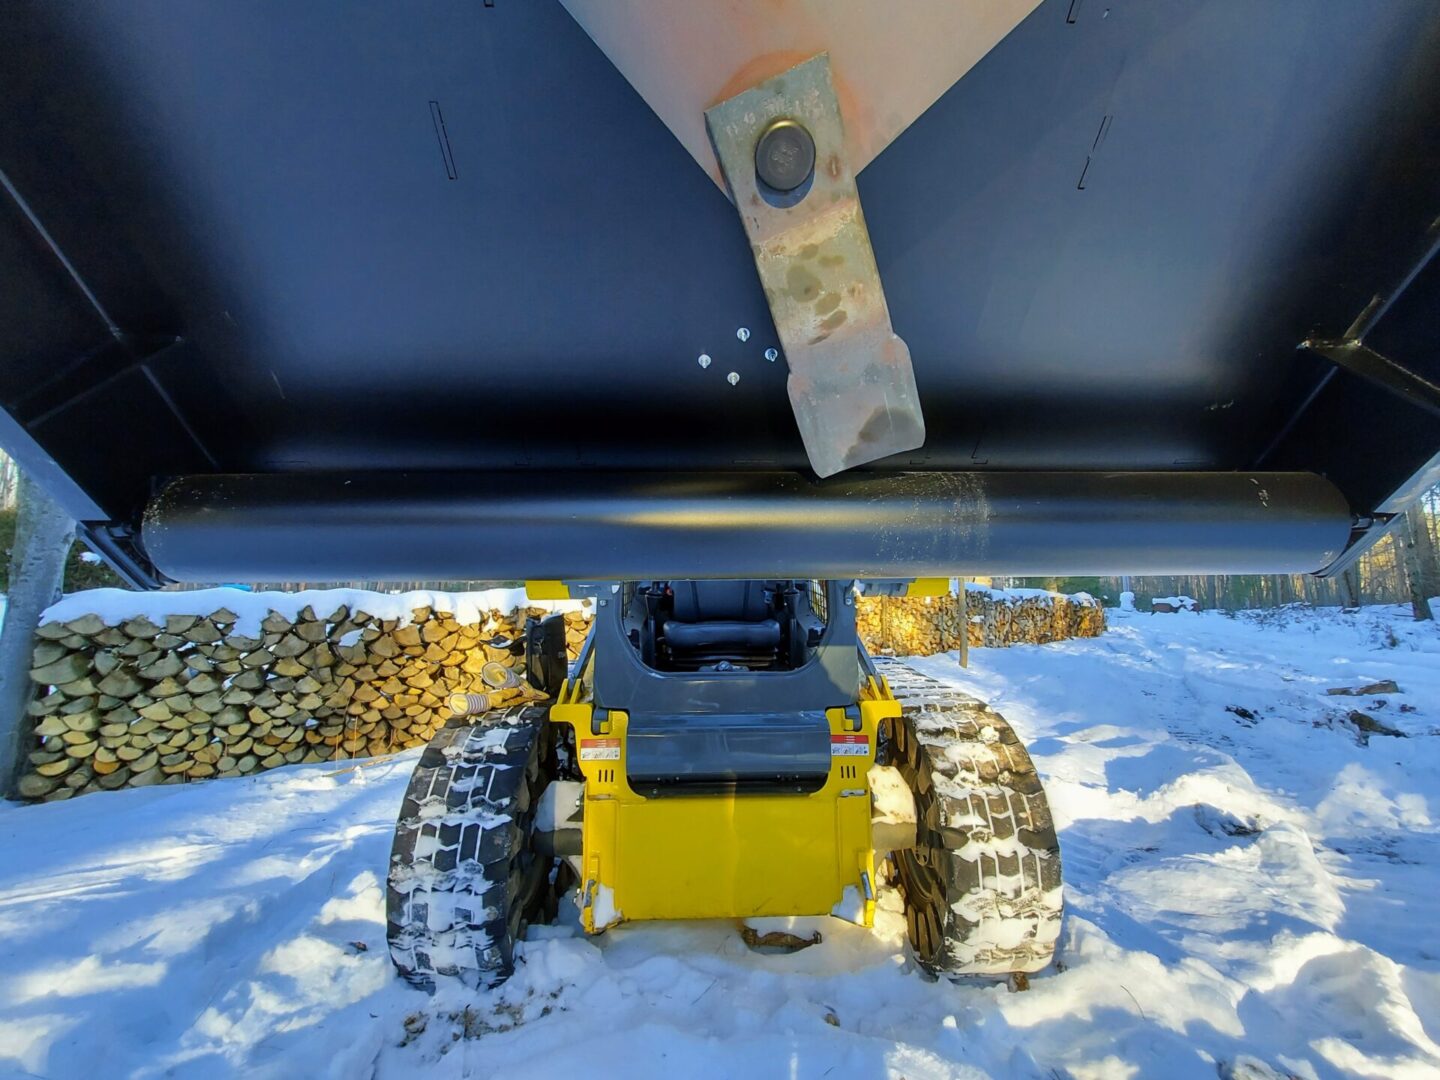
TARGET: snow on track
(1253,887)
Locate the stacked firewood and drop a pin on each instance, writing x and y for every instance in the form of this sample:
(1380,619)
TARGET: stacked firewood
(144,703)
(191,697)
(922,626)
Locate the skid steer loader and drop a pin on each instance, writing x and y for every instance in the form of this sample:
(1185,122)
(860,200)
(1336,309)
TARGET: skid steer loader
(710,311)
(726,749)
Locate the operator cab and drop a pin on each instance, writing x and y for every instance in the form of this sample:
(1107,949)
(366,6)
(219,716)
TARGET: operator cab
(726,625)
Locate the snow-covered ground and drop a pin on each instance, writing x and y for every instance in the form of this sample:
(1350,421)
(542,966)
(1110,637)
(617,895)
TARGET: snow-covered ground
(1253,886)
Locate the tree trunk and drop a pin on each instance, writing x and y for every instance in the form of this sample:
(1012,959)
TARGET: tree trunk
(1398,565)
(1349,592)
(43,535)
(1420,564)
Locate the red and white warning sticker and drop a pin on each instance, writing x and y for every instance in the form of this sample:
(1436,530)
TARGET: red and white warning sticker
(849,745)
(599,749)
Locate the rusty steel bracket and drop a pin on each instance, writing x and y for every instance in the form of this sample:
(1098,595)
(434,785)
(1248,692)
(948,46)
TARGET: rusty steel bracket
(851,384)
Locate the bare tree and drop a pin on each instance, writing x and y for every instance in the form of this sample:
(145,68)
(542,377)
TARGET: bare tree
(1421,570)
(9,474)
(43,535)
(1349,591)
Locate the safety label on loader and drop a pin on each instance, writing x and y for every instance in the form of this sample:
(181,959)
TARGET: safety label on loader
(849,745)
(599,749)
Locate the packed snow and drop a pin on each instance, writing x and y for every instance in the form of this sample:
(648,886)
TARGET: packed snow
(1252,869)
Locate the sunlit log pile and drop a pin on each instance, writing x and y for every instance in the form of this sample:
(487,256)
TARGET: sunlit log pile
(190,698)
(922,626)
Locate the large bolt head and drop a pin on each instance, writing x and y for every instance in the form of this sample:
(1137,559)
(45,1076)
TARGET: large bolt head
(784,156)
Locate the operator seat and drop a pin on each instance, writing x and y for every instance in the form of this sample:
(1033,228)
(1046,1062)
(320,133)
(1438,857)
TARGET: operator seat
(721,615)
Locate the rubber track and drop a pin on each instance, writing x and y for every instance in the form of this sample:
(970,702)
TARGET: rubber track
(982,887)
(462,879)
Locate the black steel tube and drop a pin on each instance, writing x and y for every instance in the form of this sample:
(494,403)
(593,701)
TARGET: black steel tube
(627,526)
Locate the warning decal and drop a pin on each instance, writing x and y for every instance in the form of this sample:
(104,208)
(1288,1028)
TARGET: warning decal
(849,745)
(599,749)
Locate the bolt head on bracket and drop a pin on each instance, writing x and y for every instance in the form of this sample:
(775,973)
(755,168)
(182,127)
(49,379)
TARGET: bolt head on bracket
(785,155)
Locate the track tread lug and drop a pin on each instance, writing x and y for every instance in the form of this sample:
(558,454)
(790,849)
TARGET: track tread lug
(461,880)
(984,894)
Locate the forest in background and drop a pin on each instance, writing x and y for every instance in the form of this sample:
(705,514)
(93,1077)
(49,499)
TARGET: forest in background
(1402,568)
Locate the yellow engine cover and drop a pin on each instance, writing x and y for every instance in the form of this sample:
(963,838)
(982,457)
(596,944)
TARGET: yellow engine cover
(724,856)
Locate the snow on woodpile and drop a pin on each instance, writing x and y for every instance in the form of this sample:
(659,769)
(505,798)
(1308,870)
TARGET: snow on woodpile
(115,606)
(922,626)
(1170,604)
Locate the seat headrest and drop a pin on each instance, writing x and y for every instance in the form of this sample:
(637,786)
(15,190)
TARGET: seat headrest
(702,601)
